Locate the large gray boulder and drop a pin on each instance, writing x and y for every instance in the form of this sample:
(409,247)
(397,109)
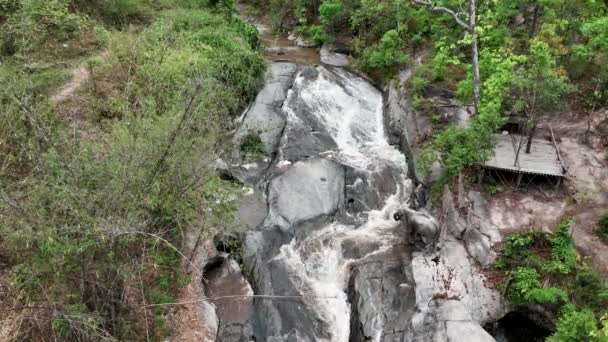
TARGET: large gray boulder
(264,117)
(308,189)
(333,58)
(382,286)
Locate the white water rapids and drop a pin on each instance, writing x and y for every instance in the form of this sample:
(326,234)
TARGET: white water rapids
(351,110)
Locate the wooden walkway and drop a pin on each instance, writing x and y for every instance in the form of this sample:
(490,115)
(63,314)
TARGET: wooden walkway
(543,159)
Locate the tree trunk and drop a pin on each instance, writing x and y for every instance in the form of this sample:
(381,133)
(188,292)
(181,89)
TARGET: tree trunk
(475,50)
(534,21)
(530,136)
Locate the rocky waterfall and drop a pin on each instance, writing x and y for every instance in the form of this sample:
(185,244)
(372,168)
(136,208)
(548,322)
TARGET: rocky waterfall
(325,259)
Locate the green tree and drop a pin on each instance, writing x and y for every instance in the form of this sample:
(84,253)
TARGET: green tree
(330,13)
(539,87)
(386,55)
(470,28)
(457,148)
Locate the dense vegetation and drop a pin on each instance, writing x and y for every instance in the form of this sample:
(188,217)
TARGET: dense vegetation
(97,190)
(532,54)
(546,270)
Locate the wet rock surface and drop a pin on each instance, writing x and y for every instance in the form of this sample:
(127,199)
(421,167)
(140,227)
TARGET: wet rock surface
(328,262)
(264,117)
(331,57)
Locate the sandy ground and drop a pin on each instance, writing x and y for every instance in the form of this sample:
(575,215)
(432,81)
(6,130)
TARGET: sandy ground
(583,195)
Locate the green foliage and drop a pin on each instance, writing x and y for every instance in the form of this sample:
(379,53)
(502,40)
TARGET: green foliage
(315,33)
(122,12)
(597,33)
(563,254)
(330,13)
(385,56)
(417,84)
(524,280)
(457,148)
(547,295)
(539,86)
(516,250)
(253,146)
(525,286)
(90,217)
(494,189)
(576,325)
(33,23)
(546,270)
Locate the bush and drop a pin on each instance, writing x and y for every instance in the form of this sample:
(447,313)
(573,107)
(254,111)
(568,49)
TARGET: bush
(575,325)
(253,147)
(330,13)
(314,33)
(494,189)
(386,55)
(122,12)
(34,23)
(516,250)
(524,281)
(563,254)
(548,295)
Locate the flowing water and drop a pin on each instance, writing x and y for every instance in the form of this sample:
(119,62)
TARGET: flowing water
(348,112)
(323,255)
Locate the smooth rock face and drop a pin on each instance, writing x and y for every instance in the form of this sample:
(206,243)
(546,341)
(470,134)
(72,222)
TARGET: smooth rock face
(264,117)
(333,58)
(329,259)
(307,190)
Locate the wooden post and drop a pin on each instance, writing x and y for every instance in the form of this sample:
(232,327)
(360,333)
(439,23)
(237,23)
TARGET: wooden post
(559,156)
(519,177)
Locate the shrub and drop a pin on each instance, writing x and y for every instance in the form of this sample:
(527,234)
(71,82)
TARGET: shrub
(314,33)
(418,84)
(563,254)
(494,189)
(386,55)
(253,146)
(36,22)
(547,295)
(122,12)
(516,249)
(524,280)
(575,325)
(330,13)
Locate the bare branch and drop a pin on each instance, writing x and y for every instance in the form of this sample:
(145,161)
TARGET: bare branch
(439,9)
(164,241)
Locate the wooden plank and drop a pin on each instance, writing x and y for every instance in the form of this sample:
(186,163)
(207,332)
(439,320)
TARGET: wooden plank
(542,159)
